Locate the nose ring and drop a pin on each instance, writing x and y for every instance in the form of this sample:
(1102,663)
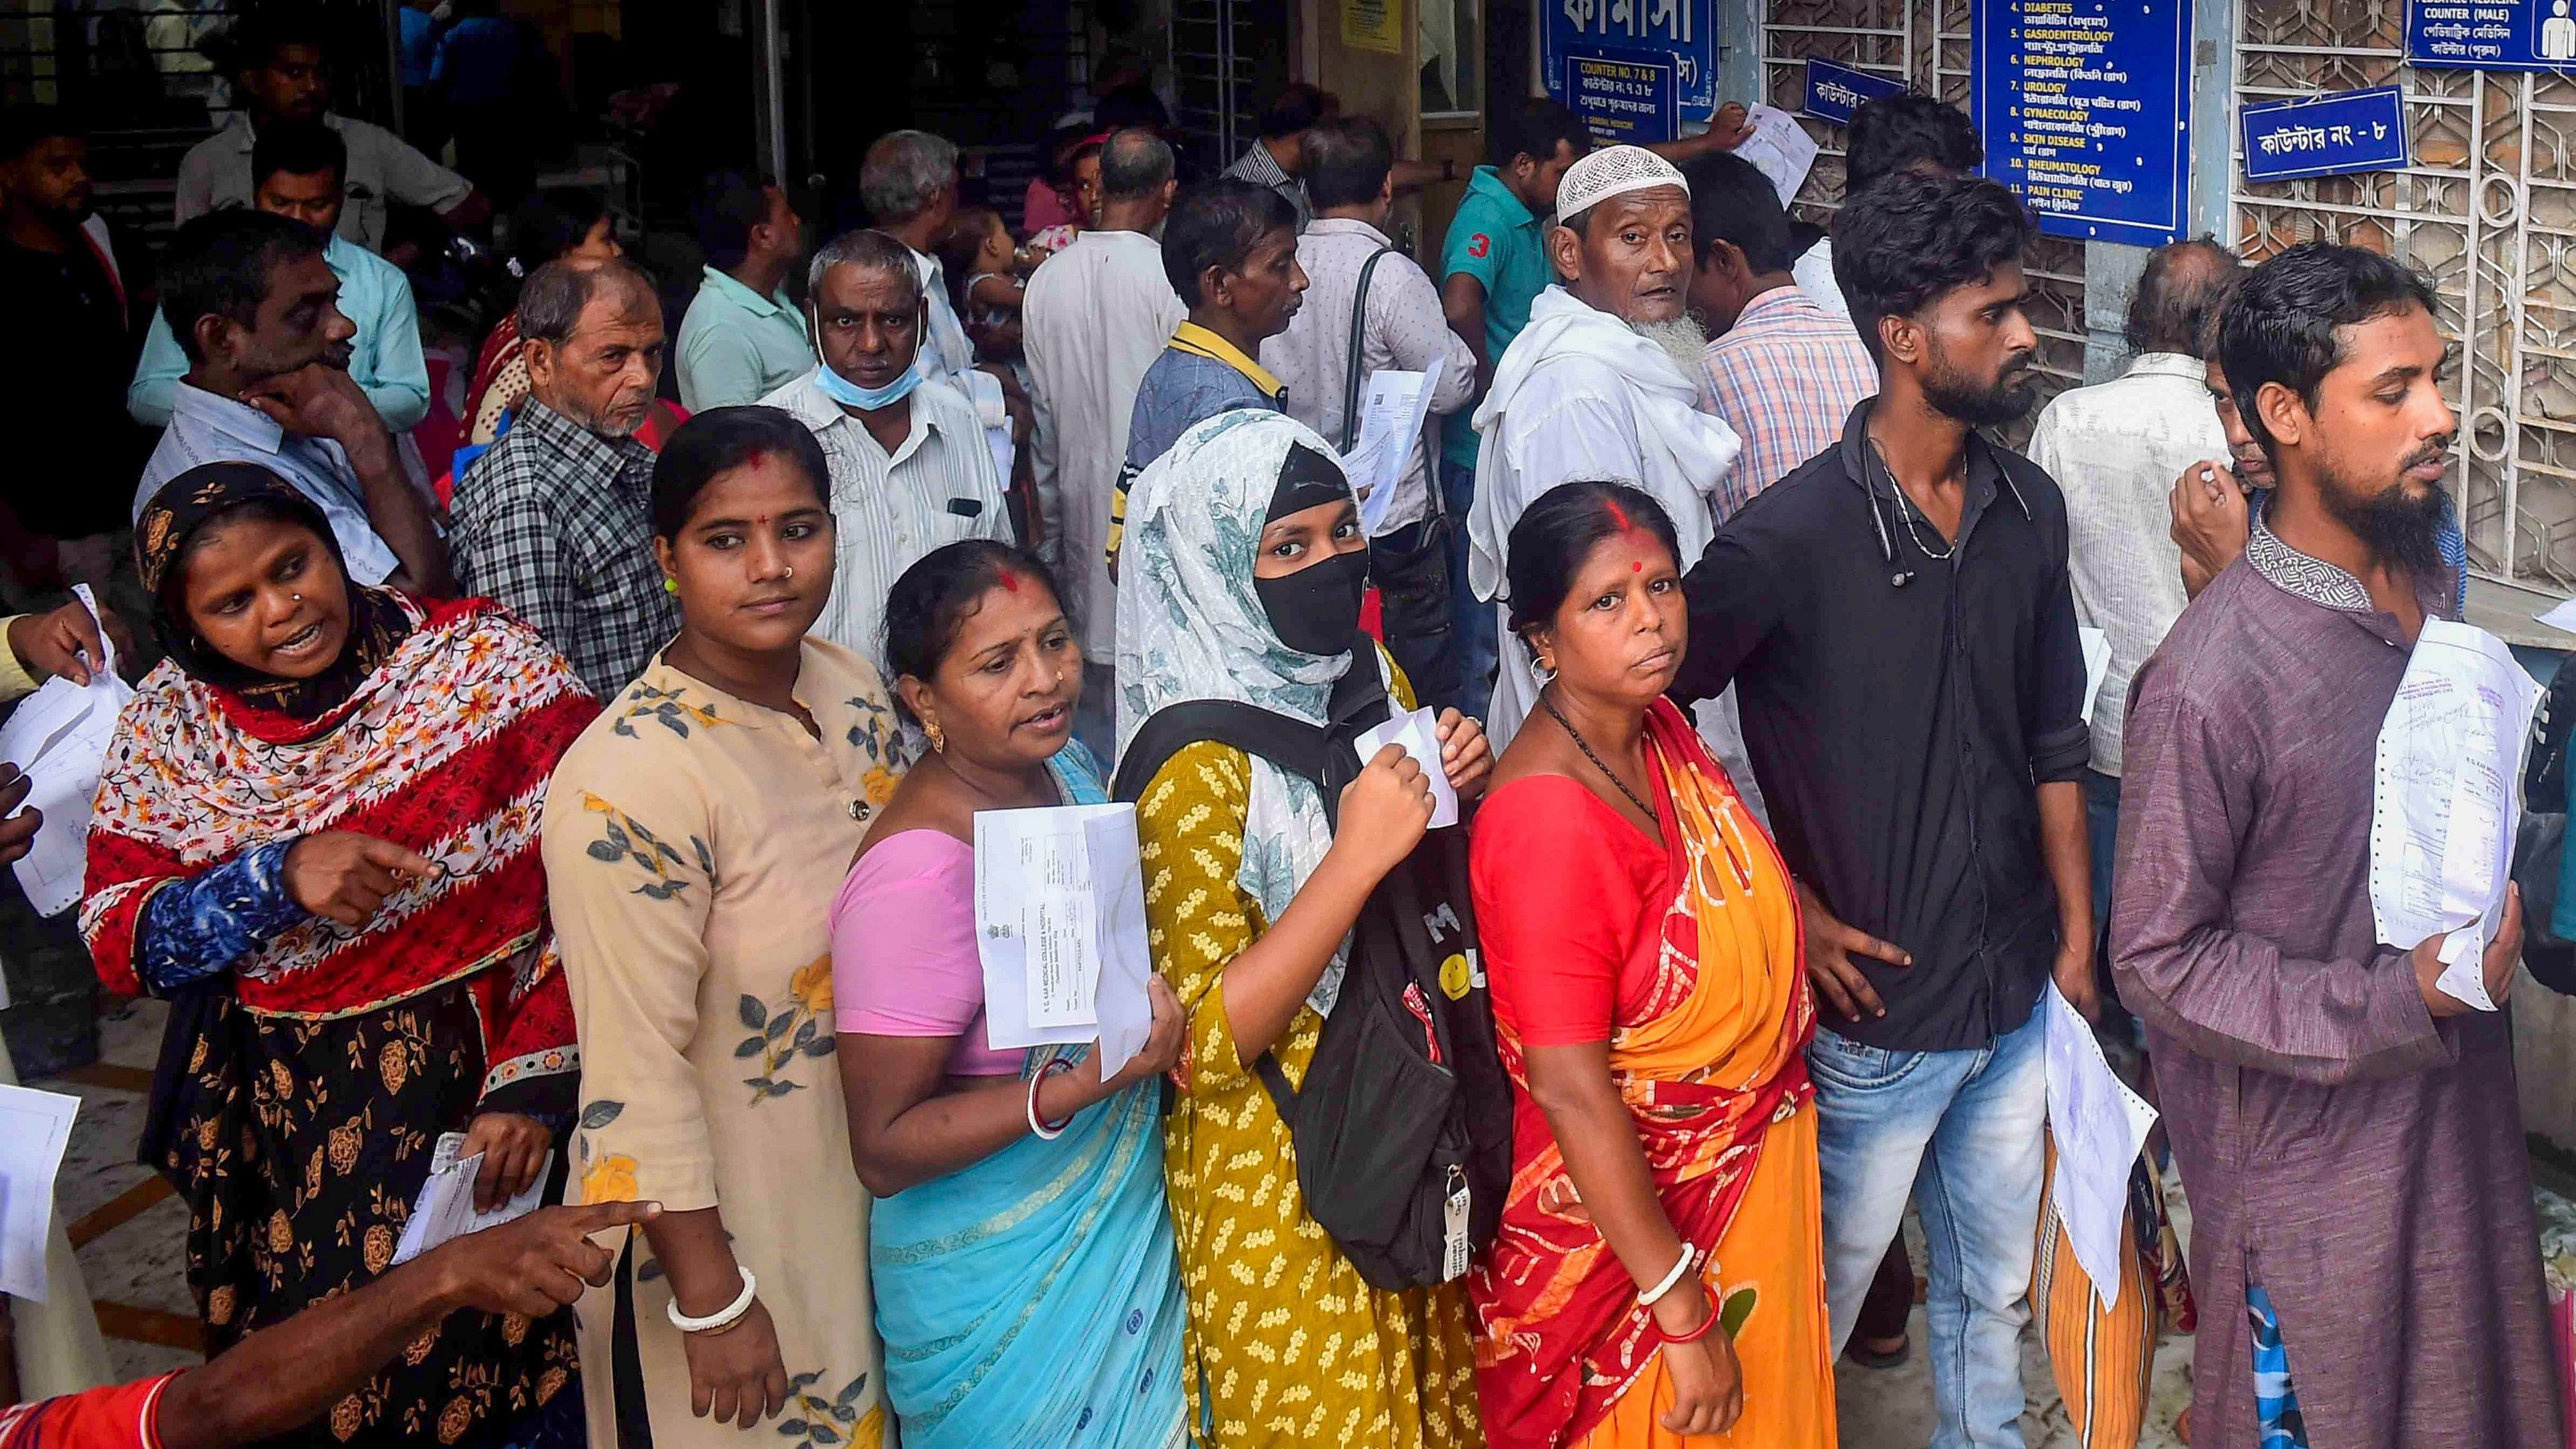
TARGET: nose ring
(791,571)
(299,598)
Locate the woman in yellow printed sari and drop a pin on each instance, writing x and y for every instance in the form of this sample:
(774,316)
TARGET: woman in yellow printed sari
(1658,1279)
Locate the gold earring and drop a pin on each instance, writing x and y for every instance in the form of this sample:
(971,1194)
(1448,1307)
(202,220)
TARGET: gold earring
(938,737)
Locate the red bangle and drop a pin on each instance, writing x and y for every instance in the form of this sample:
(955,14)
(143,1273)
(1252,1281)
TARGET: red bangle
(1044,1072)
(1696,1334)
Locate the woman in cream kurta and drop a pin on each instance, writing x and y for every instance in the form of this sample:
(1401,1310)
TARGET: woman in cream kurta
(694,842)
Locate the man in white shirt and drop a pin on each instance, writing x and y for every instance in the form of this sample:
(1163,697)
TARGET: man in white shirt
(1586,393)
(1349,176)
(1903,132)
(1095,316)
(2115,449)
(910,469)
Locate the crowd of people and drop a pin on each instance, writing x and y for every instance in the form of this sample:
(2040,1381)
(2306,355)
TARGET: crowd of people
(610,801)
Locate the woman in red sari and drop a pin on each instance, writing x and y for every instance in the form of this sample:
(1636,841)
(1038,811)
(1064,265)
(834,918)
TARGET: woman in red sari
(1658,1277)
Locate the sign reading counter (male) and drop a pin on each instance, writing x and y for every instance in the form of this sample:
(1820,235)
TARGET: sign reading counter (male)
(2491,34)
(2085,106)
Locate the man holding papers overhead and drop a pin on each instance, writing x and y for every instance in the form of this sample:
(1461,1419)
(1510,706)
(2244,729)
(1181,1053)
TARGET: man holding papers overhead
(2346,1125)
(1357,282)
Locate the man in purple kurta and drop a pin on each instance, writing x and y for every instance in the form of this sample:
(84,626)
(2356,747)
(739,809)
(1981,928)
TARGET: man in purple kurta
(2348,1133)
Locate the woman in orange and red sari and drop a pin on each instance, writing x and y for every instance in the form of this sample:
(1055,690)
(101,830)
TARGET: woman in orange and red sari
(1658,1279)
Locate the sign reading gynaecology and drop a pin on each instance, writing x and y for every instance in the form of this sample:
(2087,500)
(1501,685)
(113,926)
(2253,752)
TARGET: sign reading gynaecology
(2330,135)
(2085,106)
(1678,35)
(1835,91)
(2491,34)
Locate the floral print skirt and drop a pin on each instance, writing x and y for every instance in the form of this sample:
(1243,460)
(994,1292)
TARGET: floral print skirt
(299,1146)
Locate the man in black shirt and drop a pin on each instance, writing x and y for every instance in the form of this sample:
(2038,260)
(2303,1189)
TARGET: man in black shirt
(1897,620)
(70,346)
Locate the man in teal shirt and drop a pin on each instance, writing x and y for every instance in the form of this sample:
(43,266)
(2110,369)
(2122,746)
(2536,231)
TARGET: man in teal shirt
(742,338)
(298,171)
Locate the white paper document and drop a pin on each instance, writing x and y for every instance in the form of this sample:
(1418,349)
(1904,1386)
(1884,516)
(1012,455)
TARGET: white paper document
(59,737)
(2560,616)
(1419,734)
(1780,148)
(1393,405)
(445,1208)
(1060,929)
(2446,799)
(35,1127)
(2097,663)
(2099,1126)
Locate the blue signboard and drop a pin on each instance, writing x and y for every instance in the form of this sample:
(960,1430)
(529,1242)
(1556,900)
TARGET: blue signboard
(2084,105)
(1623,100)
(2332,135)
(1679,35)
(2491,34)
(1835,91)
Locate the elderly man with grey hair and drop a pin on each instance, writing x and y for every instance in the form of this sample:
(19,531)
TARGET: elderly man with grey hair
(1590,389)
(911,471)
(2115,449)
(555,520)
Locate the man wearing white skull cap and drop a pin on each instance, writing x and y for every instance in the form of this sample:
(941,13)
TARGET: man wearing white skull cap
(1589,390)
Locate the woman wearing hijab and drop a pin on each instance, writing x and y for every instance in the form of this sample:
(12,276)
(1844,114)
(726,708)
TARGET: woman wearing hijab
(694,841)
(1242,579)
(316,830)
(1022,1249)
(1659,1275)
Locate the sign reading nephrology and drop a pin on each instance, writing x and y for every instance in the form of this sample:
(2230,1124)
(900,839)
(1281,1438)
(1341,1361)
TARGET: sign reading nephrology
(2491,34)
(1835,91)
(1679,36)
(2332,135)
(2085,106)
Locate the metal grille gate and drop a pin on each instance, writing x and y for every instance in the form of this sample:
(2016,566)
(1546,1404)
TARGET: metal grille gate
(1212,80)
(2489,210)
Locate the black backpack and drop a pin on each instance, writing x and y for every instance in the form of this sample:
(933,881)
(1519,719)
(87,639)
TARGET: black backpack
(1403,1130)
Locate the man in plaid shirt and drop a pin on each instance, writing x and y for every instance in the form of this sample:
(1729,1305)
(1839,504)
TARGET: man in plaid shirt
(555,521)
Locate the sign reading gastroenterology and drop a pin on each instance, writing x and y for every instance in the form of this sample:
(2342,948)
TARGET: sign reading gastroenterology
(2331,135)
(1679,35)
(2491,34)
(1835,91)
(2084,105)
(1622,101)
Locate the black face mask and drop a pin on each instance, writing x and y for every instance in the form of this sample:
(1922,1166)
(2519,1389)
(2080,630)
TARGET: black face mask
(1316,610)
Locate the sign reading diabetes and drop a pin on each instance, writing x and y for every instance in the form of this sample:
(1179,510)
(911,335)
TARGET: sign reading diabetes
(2086,106)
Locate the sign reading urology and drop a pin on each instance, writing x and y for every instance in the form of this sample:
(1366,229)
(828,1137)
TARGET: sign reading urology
(1622,101)
(2330,135)
(2085,106)
(1678,35)
(2491,34)
(1835,91)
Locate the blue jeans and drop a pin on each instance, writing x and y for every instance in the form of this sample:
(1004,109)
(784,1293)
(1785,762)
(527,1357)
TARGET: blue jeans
(1471,617)
(1959,1131)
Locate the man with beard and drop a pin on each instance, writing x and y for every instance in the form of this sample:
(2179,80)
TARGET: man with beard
(1594,388)
(910,472)
(555,520)
(71,341)
(2212,502)
(253,301)
(2363,1239)
(1897,619)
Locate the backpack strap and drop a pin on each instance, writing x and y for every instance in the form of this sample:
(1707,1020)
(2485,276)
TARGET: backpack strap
(1359,330)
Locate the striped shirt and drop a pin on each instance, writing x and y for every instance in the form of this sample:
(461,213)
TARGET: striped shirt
(1259,167)
(938,487)
(1786,377)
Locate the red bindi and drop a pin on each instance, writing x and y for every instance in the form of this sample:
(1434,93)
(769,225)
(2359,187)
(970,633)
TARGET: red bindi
(1636,566)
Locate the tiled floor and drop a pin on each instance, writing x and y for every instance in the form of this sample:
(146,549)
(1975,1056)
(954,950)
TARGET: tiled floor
(130,1231)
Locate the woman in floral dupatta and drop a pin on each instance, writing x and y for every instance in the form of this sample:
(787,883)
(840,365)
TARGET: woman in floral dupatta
(316,831)
(1642,940)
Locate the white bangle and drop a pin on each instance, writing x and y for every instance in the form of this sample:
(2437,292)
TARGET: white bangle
(1037,1124)
(1649,1297)
(725,1317)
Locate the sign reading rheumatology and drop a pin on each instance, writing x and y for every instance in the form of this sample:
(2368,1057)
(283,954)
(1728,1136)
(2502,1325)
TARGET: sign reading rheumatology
(1373,25)
(2085,105)
(2491,34)
(2330,135)
(1680,36)
(1835,91)
(1621,101)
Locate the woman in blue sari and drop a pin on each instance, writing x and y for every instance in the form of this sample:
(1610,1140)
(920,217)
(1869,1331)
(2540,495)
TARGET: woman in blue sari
(1026,1285)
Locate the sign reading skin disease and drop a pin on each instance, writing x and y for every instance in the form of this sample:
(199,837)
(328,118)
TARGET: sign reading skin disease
(2331,135)
(2085,106)
(1680,36)
(1835,91)
(2491,34)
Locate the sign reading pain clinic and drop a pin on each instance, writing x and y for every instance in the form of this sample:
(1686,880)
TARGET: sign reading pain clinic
(2491,34)
(2085,106)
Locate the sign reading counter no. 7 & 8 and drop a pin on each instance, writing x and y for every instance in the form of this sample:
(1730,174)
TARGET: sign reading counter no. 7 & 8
(2085,108)
(1675,41)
